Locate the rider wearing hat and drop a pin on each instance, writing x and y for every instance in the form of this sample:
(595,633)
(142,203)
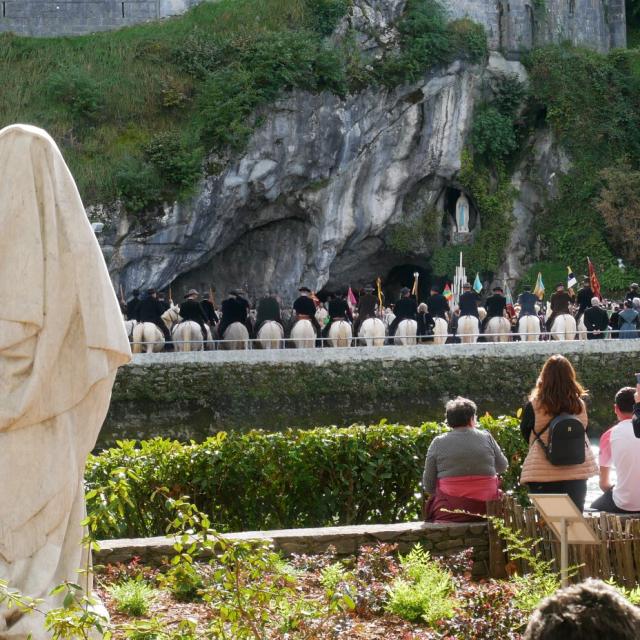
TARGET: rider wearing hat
(437,304)
(305,308)
(468,302)
(560,301)
(338,310)
(192,310)
(405,309)
(496,305)
(634,292)
(527,302)
(268,310)
(583,297)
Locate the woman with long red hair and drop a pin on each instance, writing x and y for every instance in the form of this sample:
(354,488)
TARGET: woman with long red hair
(556,392)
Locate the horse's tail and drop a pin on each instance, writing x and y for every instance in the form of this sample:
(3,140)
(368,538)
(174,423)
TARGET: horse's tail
(187,336)
(137,337)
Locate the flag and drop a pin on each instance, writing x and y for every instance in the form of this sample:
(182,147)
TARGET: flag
(351,300)
(414,289)
(447,292)
(507,294)
(477,285)
(379,286)
(571,279)
(538,290)
(593,280)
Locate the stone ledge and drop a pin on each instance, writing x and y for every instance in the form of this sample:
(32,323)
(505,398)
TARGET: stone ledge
(439,538)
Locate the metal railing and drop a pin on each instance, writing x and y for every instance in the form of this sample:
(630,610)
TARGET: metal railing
(451,340)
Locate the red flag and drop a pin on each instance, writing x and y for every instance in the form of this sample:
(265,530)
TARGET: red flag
(510,308)
(593,280)
(351,300)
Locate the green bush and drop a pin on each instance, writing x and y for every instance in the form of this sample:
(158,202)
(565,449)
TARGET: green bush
(264,480)
(132,597)
(78,91)
(176,162)
(492,134)
(423,590)
(139,185)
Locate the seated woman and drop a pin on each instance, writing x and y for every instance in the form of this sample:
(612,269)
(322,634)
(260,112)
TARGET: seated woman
(462,466)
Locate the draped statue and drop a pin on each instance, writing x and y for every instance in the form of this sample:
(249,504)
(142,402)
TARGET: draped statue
(61,342)
(462,214)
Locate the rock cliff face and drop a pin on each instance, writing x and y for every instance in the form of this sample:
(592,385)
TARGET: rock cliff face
(323,181)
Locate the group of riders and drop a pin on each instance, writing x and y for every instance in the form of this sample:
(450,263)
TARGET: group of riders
(405,322)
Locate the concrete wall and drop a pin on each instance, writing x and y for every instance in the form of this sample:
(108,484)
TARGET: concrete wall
(193,395)
(75,17)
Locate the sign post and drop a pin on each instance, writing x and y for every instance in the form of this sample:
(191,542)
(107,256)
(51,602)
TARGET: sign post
(567,523)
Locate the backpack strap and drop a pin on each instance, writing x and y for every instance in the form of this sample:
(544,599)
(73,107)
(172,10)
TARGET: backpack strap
(537,435)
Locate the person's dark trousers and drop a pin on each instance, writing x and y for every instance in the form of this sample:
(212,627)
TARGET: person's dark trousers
(605,503)
(576,489)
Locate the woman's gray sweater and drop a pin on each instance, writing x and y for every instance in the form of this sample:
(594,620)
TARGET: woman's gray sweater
(463,451)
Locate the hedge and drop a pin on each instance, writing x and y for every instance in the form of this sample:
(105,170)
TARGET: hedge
(262,480)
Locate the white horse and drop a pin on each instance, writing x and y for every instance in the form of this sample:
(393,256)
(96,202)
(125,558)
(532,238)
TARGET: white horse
(340,334)
(372,332)
(468,329)
(236,337)
(440,331)
(303,334)
(187,335)
(148,337)
(406,333)
(498,330)
(529,328)
(564,327)
(270,335)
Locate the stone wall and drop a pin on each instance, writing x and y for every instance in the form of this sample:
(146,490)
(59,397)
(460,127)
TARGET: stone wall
(514,26)
(192,395)
(75,17)
(439,539)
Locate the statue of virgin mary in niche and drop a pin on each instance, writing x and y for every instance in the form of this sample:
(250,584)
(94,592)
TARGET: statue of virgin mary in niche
(462,214)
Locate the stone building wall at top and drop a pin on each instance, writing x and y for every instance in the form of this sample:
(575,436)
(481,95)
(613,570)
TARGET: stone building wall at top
(76,17)
(512,25)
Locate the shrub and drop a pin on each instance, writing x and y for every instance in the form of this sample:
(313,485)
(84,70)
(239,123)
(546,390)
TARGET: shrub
(423,591)
(78,91)
(175,163)
(139,185)
(294,478)
(492,134)
(132,597)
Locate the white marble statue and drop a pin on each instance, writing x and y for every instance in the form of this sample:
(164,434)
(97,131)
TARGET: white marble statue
(462,214)
(61,342)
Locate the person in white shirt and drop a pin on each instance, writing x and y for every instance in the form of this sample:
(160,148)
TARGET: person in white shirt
(620,450)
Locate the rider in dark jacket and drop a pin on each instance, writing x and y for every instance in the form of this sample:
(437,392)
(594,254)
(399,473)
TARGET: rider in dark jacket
(150,310)
(496,305)
(405,309)
(437,304)
(192,310)
(527,302)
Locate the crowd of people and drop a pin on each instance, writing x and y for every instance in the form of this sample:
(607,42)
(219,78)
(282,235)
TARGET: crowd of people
(602,318)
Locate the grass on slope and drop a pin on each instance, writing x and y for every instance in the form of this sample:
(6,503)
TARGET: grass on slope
(137,110)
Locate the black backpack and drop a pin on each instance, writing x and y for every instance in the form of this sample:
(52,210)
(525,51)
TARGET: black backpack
(567,444)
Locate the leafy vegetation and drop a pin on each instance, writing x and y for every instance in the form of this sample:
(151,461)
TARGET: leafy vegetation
(591,103)
(423,591)
(367,474)
(138,110)
(132,597)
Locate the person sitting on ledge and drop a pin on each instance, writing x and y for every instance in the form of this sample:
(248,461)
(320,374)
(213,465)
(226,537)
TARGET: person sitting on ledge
(591,609)
(462,466)
(620,448)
